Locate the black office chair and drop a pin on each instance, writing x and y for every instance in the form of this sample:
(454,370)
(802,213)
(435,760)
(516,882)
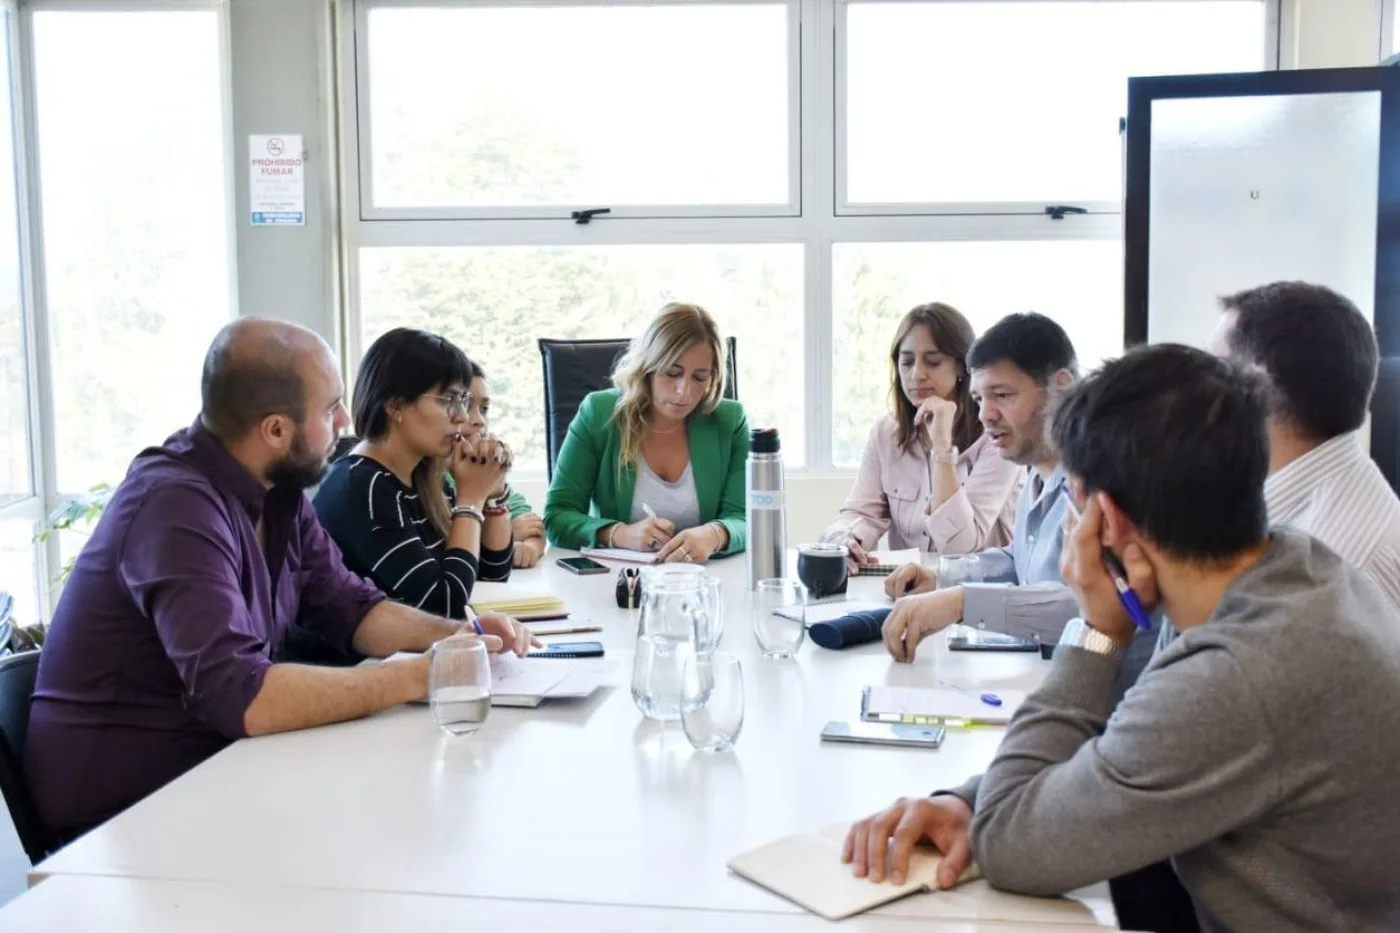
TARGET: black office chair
(17,673)
(574,368)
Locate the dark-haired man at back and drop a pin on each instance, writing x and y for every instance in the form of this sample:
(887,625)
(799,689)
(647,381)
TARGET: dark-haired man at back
(1319,355)
(1257,751)
(164,646)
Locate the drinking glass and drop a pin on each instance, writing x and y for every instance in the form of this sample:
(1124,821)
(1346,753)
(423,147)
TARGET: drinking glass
(779,636)
(459,684)
(712,700)
(955,570)
(709,624)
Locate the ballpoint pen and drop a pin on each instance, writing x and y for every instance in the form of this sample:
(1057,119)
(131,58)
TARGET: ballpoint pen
(991,699)
(1118,574)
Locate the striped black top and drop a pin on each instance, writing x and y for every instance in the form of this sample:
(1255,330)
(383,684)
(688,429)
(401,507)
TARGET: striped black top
(385,535)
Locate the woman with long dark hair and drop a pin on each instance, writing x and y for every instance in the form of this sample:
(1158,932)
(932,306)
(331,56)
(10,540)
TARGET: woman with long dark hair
(388,504)
(928,477)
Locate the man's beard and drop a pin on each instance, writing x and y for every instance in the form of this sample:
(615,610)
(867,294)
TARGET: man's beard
(300,468)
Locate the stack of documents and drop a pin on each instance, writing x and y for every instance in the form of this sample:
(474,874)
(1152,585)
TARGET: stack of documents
(531,681)
(515,599)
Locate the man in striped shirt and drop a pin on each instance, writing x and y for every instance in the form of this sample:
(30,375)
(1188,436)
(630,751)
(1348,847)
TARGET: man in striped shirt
(1319,354)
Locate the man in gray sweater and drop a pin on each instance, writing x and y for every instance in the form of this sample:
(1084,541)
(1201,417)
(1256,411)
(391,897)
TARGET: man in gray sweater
(1258,751)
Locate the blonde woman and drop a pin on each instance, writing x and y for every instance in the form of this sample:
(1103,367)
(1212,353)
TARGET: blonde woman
(657,463)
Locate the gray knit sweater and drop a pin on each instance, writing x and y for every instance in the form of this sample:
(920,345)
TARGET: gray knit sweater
(1259,751)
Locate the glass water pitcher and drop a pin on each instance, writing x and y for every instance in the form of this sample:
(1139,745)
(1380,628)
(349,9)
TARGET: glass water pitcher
(672,602)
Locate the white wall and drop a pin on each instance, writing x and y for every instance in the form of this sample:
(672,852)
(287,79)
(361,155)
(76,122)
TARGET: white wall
(283,60)
(1330,33)
(282,56)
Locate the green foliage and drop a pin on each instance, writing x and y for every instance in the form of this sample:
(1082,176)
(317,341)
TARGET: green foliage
(77,515)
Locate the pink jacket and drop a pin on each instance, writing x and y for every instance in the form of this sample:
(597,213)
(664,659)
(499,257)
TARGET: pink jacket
(892,489)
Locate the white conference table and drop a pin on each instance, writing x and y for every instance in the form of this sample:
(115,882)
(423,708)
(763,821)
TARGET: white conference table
(66,903)
(576,803)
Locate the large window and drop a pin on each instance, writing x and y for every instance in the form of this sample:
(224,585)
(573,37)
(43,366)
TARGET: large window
(806,169)
(1017,100)
(134,194)
(519,106)
(495,301)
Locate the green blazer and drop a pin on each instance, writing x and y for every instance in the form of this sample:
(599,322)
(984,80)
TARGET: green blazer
(589,492)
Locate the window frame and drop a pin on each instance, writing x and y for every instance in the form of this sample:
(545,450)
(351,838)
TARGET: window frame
(360,148)
(30,504)
(818,225)
(29,508)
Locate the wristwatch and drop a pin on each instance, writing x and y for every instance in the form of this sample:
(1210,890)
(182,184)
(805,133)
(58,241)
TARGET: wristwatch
(500,502)
(1081,634)
(948,456)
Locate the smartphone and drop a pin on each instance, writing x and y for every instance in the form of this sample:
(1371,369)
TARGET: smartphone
(980,640)
(581,565)
(882,733)
(570,649)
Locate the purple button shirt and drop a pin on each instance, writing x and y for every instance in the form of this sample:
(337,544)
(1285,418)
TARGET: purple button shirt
(169,623)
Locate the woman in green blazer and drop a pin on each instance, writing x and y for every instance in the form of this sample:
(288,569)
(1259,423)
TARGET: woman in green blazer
(657,464)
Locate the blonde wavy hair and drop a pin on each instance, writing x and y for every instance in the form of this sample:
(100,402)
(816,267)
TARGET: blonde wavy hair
(676,328)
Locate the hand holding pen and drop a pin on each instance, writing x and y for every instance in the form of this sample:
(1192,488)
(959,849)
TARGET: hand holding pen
(1112,597)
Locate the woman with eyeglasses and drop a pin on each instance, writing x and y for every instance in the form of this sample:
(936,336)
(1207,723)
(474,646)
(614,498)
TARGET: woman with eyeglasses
(527,527)
(388,504)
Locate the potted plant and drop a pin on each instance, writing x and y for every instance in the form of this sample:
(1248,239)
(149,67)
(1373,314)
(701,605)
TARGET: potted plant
(77,514)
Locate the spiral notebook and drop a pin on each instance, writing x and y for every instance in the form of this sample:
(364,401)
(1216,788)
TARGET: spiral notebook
(619,554)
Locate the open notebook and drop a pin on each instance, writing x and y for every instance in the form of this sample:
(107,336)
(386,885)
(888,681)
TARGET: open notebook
(806,868)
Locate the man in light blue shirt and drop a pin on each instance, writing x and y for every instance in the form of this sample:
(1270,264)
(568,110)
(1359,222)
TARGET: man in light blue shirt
(1017,367)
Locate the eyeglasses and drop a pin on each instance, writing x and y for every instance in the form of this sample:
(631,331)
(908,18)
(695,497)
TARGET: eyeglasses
(454,404)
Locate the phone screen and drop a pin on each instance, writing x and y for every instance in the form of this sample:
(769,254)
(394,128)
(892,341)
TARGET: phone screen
(581,565)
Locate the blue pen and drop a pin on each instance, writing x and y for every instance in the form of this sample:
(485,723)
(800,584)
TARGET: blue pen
(1119,575)
(991,699)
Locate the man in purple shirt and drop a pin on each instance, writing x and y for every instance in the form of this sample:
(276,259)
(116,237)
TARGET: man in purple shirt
(165,645)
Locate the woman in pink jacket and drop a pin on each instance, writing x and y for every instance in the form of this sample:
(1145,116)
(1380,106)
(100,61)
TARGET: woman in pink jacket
(928,476)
